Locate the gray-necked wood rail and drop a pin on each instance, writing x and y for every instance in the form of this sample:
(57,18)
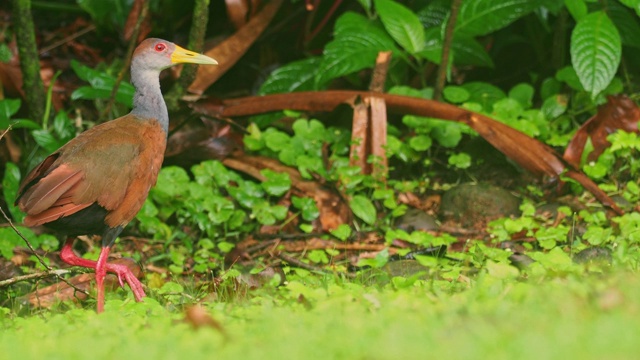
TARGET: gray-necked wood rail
(96,183)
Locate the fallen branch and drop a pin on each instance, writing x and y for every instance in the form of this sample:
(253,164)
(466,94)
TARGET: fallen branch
(40,275)
(531,154)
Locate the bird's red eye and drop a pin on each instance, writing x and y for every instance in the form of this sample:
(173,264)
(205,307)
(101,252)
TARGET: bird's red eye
(160,47)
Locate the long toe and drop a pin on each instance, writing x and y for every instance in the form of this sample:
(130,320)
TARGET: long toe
(124,273)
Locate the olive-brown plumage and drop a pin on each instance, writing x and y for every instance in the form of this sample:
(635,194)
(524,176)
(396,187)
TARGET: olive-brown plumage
(96,183)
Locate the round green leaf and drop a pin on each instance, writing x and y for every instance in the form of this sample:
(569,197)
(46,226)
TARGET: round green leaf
(554,106)
(342,232)
(523,93)
(420,142)
(460,160)
(455,94)
(484,93)
(275,183)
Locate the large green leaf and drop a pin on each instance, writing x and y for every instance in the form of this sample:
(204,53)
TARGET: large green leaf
(481,17)
(366,4)
(434,14)
(295,76)
(626,22)
(633,4)
(595,51)
(101,85)
(402,24)
(466,51)
(577,8)
(355,46)
(47,140)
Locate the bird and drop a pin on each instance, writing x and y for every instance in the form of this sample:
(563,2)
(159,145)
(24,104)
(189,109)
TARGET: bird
(97,182)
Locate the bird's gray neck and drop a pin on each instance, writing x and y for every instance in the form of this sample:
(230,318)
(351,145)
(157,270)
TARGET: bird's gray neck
(148,102)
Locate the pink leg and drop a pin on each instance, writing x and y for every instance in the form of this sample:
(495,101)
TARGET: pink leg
(101,273)
(122,271)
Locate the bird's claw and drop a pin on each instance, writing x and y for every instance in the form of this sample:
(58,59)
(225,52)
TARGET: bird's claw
(125,274)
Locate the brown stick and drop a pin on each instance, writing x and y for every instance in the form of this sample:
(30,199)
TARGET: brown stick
(40,275)
(380,71)
(359,136)
(378,109)
(75,35)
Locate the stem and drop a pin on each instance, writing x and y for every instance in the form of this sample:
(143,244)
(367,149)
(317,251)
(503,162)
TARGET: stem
(446,49)
(47,108)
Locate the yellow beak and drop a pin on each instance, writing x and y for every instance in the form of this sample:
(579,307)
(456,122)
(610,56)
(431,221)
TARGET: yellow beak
(181,55)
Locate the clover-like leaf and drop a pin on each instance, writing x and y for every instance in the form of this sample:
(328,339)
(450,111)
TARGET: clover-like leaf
(307,207)
(276,184)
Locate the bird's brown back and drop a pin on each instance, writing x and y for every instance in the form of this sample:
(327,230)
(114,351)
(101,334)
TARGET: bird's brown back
(113,164)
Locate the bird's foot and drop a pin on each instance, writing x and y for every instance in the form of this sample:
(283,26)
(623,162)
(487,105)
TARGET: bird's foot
(126,275)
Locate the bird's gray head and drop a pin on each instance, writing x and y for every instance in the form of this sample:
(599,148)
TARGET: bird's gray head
(158,54)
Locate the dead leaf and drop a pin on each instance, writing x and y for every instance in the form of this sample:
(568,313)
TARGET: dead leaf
(610,299)
(198,317)
(10,73)
(619,113)
(240,11)
(132,19)
(231,50)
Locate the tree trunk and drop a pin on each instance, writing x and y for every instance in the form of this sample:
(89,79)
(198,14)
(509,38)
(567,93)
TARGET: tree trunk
(196,43)
(29,60)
